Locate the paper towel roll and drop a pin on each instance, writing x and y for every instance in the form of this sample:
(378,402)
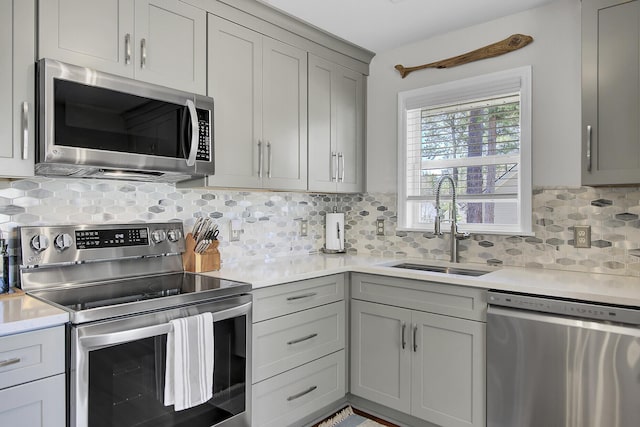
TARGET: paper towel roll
(334,232)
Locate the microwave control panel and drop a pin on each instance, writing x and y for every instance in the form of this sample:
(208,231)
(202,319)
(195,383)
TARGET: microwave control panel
(204,138)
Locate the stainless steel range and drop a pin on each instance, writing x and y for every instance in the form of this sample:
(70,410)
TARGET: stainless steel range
(123,285)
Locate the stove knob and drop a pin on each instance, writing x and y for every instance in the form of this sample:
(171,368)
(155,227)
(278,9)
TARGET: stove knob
(174,235)
(63,241)
(158,236)
(39,243)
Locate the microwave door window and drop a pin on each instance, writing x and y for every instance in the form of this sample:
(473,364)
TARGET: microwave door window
(126,382)
(102,119)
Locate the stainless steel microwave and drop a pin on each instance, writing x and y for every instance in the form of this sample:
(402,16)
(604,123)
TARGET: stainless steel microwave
(97,125)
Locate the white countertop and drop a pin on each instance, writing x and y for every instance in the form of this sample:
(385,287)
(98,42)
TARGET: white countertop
(21,313)
(604,288)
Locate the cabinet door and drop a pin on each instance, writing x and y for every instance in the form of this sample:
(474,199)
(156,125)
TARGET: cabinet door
(92,33)
(235,83)
(323,154)
(448,386)
(381,354)
(36,404)
(17,75)
(610,92)
(171,40)
(336,127)
(284,82)
(349,123)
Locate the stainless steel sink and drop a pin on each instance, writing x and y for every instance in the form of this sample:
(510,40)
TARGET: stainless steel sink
(441,269)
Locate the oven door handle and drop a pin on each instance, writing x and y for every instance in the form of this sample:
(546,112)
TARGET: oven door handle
(120,337)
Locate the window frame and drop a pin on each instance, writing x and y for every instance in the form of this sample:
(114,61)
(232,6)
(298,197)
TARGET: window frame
(461,91)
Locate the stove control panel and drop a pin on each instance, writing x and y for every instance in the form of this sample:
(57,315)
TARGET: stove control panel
(69,244)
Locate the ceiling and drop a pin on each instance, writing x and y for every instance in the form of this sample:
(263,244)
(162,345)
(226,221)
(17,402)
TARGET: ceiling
(380,25)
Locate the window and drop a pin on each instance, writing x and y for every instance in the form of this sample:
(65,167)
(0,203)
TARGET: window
(477,131)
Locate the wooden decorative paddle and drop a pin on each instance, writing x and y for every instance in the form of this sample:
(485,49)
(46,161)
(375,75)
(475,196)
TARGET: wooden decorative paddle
(513,42)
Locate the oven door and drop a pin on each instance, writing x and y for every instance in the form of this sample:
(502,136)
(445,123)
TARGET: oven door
(117,370)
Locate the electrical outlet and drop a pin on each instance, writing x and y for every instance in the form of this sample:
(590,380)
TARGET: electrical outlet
(304,228)
(235,230)
(380,227)
(581,236)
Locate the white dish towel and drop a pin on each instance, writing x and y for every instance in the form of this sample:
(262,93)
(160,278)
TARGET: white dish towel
(189,370)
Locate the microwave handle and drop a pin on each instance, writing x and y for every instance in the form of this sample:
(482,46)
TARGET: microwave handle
(195,133)
(114,338)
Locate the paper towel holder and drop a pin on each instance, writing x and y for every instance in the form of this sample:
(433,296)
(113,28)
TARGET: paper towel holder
(340,235)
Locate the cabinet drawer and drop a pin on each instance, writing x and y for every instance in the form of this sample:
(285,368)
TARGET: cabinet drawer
(279,300)
(286,342)
(284,399)
(36,404)
(439,298)
(31,355)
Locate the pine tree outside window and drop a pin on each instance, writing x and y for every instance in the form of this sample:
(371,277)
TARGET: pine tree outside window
(478,131)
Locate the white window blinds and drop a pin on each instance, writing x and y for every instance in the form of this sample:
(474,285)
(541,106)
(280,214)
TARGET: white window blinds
(477,132)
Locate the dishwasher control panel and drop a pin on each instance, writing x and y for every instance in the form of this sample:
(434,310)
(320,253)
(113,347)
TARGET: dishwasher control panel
(566,307)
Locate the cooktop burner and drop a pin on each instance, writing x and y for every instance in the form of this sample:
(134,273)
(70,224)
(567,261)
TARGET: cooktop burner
(98,272)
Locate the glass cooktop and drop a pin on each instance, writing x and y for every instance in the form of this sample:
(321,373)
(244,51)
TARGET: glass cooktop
(139,294)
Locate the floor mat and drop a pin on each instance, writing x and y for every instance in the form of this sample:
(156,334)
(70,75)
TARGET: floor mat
(348,418)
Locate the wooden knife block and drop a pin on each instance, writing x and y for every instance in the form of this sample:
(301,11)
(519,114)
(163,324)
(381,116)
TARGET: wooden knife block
(209,260)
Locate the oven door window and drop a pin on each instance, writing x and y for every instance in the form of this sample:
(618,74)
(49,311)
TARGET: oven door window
(126,382)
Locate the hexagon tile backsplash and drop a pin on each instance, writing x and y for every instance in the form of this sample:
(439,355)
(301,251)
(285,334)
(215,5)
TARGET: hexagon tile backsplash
(270,221)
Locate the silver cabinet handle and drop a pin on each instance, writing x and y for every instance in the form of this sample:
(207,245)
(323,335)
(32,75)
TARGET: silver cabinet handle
(25,130)
(143,53)
(297,297)
(299,340)
(589,148)
(259,159)
(302,393)
(195,133)
(334,166)
(269,158)
(127,49)
(415,338)
(9,362)
(341,157)
(404,342)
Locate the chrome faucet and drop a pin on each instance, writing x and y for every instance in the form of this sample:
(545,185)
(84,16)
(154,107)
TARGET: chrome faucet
(455,235)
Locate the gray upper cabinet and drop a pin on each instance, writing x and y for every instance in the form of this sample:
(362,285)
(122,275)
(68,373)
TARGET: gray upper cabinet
(336,127)
(157,41)
(17,55)
(610,92)
(260,88)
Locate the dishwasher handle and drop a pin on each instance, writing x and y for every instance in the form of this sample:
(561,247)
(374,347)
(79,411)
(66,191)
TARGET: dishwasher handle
(549,318)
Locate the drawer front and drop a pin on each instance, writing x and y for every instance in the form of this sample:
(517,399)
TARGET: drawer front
(439,298)
(279,300)
(36,404)
(286,342)
(284,399)
(31,356)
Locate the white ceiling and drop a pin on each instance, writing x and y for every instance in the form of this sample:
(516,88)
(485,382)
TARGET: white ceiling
(380,25)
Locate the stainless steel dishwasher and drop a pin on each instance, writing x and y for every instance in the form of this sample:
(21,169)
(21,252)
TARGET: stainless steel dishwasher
(561,363)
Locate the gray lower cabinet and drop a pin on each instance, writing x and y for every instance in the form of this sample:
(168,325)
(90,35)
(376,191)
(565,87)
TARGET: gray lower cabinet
(17,75)
(32,379)
(298,348)
(610,92)
(430,365)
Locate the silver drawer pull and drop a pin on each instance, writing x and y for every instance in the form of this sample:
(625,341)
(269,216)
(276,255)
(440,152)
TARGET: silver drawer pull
(299,340)
(296,297)
(8,362)
(404,342)
(415,338)
(302,393)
